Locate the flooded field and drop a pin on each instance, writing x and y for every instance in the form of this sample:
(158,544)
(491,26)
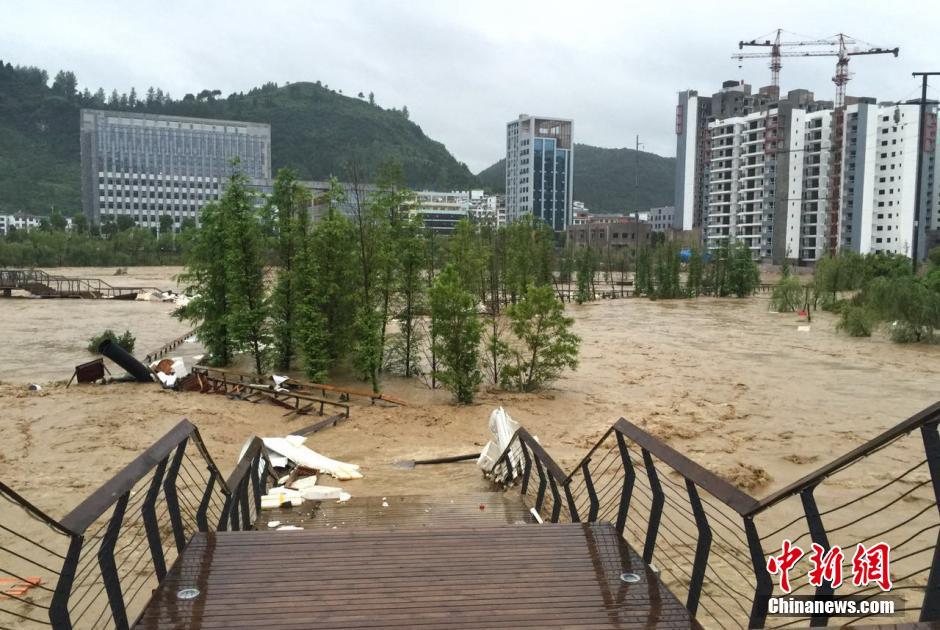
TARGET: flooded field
(44,339)
(726,382)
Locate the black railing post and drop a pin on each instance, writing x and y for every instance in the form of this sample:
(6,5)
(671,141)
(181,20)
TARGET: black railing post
(764,586)
(930,609)
(149,511)
(572,508)
(256,482)
(243,502)
(172,500)
(592,493)
(109,574)
(817,532)
(556,499)
(59,608)
(225,517)
(526,470)
(656,508)
(629,478)
(702,548)
(509,470)
(540,495)
(202,520)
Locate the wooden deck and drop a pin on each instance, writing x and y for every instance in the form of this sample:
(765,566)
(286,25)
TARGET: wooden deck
(510,576)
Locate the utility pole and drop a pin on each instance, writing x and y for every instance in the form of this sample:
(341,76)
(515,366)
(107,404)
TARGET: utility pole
(921,132)
(636,209)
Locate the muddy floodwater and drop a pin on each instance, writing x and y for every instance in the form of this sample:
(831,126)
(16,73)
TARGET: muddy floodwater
(732,385)
(44,339)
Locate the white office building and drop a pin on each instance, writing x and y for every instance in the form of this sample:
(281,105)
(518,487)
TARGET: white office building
(540,169)
(146,165)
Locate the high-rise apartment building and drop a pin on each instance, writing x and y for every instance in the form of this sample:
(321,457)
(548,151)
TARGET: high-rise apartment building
(758,170)
(540,169)
(146,165)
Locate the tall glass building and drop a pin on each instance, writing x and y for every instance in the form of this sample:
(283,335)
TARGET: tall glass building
(146,166)
(540,169)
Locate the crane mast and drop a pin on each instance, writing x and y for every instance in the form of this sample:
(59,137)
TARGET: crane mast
(837,46)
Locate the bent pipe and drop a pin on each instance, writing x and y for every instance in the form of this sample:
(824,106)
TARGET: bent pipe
(120,356)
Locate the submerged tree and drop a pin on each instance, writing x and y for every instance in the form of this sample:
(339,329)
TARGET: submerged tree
(410,286)
(288,206)
(206,279)
(248,312)
(586,264)
(457,330)
(545,344)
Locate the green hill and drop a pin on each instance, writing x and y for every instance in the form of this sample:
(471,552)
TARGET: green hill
(604,178)
(314,130)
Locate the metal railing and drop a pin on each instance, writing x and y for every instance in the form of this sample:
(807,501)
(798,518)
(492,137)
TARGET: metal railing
(710,540)
(168,347)
(99,564)
(40,282)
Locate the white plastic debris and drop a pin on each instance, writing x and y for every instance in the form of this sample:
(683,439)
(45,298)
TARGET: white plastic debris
(168,380)
(289,528)
(343,497)
(384,503)
(33,387)
(292,447)
(276,497)
(278,381)
(321,493)
(803,328)
(304,482)
(273,524)
(502,428)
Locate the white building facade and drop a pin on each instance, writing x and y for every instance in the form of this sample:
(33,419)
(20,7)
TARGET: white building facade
(768,179)
(146,165)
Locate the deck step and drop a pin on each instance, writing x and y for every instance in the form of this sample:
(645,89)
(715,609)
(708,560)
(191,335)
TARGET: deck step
(405,511)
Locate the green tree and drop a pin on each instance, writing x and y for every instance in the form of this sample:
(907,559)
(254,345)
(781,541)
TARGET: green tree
(695,272)
(586,261)
(411,250)
(206,278)
(643,274)
(288,205)
(248,308)
(544,344)
(457,331)
(743,274)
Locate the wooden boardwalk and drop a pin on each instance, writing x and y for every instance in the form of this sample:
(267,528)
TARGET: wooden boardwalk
(510,576)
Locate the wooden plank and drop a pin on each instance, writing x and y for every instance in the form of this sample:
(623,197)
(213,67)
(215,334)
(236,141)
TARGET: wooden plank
(511,576)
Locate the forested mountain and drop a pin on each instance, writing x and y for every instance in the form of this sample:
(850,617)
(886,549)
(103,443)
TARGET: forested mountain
(314,130)
(604,178)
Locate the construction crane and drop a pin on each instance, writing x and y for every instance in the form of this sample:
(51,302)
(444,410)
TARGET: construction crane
(775,53)
(838,47)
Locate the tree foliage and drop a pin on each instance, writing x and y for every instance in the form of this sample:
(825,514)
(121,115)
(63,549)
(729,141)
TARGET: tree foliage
(457,332)
(544,344)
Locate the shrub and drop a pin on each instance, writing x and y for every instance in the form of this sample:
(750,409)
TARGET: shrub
(856,321)
(788,295)
(126,341)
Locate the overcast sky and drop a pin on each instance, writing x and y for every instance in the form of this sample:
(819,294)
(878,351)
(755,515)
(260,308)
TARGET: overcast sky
(465,68)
